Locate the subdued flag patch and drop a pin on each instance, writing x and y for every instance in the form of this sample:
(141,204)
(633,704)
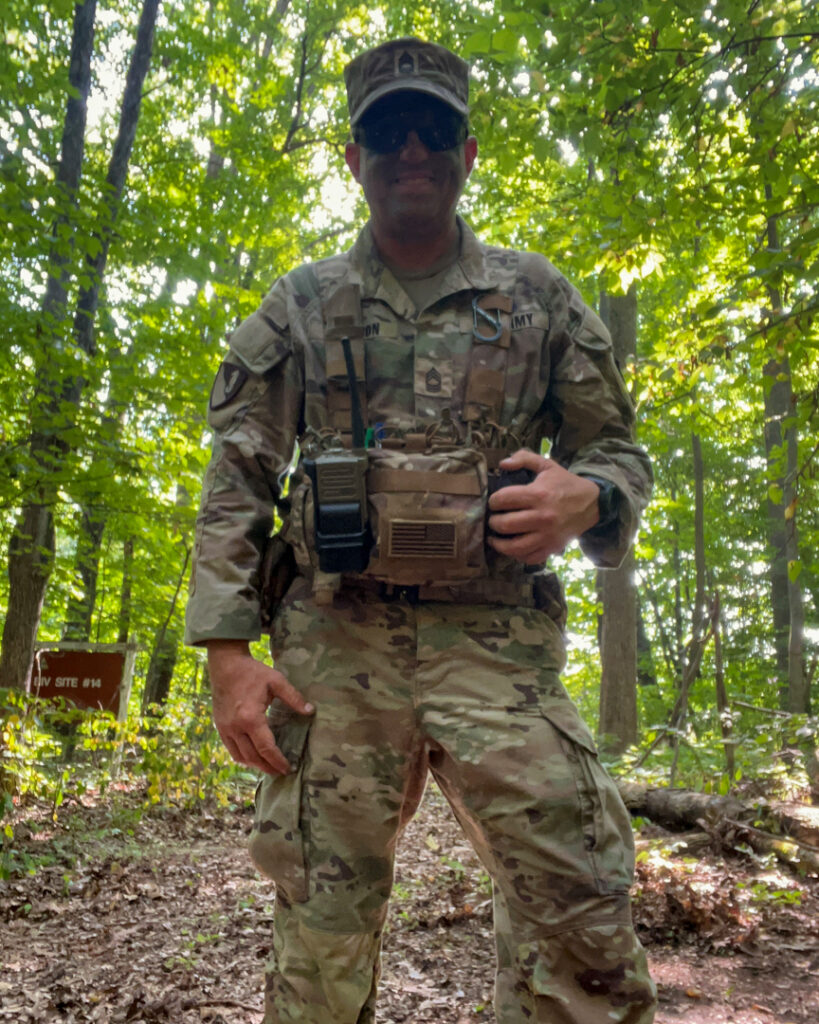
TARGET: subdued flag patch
(228,384)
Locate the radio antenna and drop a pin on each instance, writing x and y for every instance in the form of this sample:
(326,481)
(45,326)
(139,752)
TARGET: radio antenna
(359,434)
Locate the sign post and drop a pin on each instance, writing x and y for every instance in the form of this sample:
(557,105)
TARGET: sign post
(93,676)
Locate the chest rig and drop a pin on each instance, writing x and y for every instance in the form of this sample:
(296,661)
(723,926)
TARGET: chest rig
(477,419)
(405,507)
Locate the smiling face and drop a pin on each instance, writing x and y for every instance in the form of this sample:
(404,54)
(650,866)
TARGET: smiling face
(412,191)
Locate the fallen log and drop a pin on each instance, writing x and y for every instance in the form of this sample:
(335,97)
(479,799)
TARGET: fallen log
(789,831)
(680,808)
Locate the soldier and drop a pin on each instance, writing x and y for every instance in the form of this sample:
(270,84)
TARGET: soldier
(417,628)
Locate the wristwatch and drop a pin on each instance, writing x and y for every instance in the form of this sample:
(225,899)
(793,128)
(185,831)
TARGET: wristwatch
(608,504)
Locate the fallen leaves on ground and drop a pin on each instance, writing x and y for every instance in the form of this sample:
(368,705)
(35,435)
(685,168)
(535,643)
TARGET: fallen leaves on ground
(162,918)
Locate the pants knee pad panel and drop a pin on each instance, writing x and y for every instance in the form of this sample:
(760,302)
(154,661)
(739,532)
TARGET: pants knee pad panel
(592,975)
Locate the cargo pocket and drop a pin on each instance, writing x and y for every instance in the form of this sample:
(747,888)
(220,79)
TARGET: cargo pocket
(606,825)
(276,839)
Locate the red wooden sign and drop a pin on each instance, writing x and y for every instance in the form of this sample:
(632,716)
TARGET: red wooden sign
(91,679)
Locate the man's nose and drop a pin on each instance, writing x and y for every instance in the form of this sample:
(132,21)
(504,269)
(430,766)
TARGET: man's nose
(413,149)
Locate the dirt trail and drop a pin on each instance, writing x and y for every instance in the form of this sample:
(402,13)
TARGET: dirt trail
(168,922)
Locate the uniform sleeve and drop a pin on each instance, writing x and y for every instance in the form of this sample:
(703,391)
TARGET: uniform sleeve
(254,412)
(593,421)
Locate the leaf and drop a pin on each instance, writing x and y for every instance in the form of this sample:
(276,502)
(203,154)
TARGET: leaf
(788,128)
(505,41)
(794,569)
(478,43)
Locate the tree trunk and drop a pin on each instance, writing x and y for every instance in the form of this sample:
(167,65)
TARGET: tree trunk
(617,724)
(31,554)
(117,175)
(777,399)
(92,521)
(83,598)
(164,654)
(32,545)
(781,450)
(798,684)
(646,676)
(723,710)
(691,670)
(679,630)
(25,609)
(699,531)
(160,669)
(125,593)
(69,170)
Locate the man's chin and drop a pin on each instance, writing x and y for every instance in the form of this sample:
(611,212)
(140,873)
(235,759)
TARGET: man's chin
(419,220)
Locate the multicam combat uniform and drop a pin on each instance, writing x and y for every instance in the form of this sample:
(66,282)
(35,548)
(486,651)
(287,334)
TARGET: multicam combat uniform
(463,681)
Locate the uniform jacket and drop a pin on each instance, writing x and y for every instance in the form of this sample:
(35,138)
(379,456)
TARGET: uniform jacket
(561,385)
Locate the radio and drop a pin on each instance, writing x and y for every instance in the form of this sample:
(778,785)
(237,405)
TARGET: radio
(506,478)
(339,481)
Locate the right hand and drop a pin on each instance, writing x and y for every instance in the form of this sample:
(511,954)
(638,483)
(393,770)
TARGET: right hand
(536,520)
(242,688)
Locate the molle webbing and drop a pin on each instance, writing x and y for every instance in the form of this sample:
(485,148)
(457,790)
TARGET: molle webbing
(339,400)
(486,376)
(341,313)
(412,480)
(419,443)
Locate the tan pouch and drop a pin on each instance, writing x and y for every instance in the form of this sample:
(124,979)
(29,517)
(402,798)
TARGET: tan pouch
(427,516)
(300,529)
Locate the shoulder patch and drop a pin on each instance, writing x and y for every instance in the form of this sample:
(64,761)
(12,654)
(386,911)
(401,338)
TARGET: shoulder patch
(593,333)
(229,382)
(262,340)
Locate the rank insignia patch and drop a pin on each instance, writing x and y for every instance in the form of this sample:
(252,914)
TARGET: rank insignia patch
(406,64)
(433,376)
(433,381)
(228,384)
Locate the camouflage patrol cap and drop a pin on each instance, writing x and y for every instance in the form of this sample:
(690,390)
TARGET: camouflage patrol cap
(406,64)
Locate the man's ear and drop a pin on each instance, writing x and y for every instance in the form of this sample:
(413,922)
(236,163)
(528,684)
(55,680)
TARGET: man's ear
(470,152)
(352,154)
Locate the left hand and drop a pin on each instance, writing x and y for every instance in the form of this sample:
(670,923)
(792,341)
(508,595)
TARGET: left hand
(546,514)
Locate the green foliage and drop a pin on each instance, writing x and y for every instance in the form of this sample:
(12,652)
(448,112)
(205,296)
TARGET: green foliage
(761,892)
(670,145)
(56,755)
(769,754)
(180,756)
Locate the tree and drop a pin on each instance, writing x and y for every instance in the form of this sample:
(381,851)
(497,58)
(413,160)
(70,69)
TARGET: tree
(673,147)
(31,549)
(617,722)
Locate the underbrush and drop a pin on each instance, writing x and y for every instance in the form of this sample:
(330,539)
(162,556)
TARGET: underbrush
(54,757)
(762,754)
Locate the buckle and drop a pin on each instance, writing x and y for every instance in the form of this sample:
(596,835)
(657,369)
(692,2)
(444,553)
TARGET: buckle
(494,322)
(399,592)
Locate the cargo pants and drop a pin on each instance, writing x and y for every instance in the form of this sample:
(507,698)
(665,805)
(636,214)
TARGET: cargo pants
(472,694)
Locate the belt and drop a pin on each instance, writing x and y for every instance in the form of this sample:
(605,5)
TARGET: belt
(487,591)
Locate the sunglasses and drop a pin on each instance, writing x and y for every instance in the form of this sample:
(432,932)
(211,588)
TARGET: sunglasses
(438,130)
